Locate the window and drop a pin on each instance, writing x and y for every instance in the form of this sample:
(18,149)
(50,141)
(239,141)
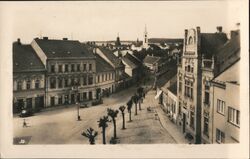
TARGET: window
(84,95)
(66,68)
(192,119)
(37,84)
(207,94)
(60,82)
(59,68)
(90,67)
(233,116)
(190,40)
(84,80)
(52,68)
(72,81)
(90,80)
(106,77)
(60,100)
(179,110)
(28,84)
(72,68)
(180,86)
(52,83)
(102,77)
(84,67)
(188,89)
(78,67)
(52,101)
(19,85)
(220,106)
(220,136)
(66,81)
(98,78)
(206,126)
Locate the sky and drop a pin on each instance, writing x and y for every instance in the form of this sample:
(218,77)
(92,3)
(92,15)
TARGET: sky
(98,20)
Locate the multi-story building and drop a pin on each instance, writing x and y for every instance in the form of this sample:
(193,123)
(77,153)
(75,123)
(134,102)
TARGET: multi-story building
(226,93)
(67,63)
(121,78)
(28,78)
(105,77)
(193,89)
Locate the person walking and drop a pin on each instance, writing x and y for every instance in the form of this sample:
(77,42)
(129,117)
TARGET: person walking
(24,123)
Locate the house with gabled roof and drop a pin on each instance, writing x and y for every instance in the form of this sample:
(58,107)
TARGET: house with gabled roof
(121,77)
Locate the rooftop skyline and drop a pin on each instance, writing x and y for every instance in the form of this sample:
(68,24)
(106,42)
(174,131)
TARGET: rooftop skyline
(102,21)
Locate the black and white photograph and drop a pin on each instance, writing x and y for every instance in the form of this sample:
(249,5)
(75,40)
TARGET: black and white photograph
(125,76)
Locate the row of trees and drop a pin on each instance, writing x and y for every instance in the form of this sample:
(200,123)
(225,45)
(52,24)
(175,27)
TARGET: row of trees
(136,99)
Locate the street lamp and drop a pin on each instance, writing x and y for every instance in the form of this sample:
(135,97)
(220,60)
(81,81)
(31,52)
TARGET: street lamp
(75,86)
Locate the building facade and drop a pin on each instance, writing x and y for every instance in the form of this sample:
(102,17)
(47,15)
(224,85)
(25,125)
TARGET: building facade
(68,63)
(199,50)
(28,79)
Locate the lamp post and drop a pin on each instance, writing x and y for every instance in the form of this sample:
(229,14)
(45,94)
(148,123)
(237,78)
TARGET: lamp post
(75,86)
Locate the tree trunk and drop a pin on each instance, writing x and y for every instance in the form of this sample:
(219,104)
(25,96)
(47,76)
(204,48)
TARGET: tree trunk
(114,122)
(130,116)
(140,104)
(136,109)
(123,122)
(103,136)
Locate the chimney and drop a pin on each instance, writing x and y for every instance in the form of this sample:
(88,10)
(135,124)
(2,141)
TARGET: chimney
(234,33)
(65,38)
(198,29)
(18,41)
(219,29)
(45,38)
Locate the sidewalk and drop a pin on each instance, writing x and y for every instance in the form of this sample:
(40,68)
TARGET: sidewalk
(170,127)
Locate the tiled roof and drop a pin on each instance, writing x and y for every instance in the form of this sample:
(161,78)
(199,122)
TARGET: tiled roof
(173,88)
(211,42)
(25,59)
(134,59)
(102,65)
(164,78)
(64,48)
(151,59)
(128,62)
(109,54)
(228,54)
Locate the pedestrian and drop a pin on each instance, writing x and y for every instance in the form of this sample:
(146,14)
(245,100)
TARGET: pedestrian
(24,123)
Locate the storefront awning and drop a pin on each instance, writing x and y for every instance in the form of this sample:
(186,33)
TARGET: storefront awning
(158,94)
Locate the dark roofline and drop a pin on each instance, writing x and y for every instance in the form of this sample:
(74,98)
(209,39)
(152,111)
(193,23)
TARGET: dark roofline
(226,68)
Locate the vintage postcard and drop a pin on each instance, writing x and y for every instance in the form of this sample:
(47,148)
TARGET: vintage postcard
(122,79)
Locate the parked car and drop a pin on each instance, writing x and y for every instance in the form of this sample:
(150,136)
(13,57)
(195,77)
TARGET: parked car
(26,113)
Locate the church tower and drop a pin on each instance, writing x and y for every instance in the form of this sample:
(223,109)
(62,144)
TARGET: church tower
(145,39)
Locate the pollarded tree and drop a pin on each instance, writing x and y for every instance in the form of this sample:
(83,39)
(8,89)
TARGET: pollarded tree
(135,100)
(103,124)
(122,109)
(90,134)
(129,107)
(113,114)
